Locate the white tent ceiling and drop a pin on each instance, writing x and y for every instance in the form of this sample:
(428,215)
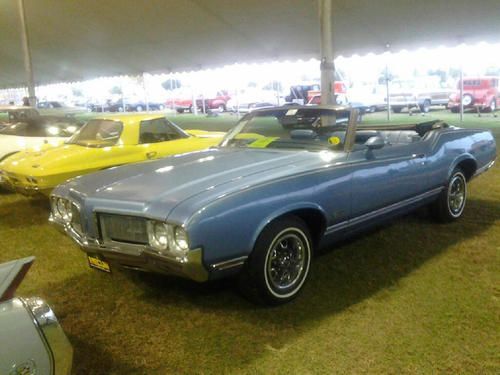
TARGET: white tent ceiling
(79,39)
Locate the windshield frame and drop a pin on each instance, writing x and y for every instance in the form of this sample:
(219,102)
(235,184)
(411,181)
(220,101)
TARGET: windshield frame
(350,128)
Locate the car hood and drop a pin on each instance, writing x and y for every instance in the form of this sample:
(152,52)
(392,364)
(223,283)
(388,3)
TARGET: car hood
(155,188)
(49,159)
(14,143)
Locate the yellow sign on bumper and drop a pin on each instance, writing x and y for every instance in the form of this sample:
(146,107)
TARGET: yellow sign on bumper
(96,262)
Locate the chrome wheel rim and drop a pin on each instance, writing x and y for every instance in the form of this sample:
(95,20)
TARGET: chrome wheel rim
(286,261)
(456,194)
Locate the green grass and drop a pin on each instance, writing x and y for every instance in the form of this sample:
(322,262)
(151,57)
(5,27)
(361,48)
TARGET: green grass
(412,297)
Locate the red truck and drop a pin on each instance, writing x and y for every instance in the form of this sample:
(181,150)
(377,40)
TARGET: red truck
(482,93)
(310,93)
(217,101)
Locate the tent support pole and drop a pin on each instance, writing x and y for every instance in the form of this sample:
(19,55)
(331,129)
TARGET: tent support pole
(461,93)
(145,90)
(327,66)
(28,66)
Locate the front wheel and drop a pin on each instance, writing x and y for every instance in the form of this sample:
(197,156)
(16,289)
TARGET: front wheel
(279,264)
(451,202)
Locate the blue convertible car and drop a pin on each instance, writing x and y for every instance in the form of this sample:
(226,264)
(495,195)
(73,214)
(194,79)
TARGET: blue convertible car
(283,182)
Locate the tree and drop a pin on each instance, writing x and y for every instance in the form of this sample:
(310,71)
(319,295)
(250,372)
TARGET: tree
(115,90)
(443,76)
(77,92)
(493,71)
(171,84)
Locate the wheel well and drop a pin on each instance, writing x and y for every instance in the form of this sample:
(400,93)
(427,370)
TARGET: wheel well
(468,166)
(314,219)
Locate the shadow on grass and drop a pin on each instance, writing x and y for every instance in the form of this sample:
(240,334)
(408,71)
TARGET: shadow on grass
(19,211)
(143,323)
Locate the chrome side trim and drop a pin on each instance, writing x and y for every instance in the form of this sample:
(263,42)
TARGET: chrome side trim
(227,264)
(484,168)
(384,210)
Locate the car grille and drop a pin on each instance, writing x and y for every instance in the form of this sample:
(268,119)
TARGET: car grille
(13,178)
(122,228)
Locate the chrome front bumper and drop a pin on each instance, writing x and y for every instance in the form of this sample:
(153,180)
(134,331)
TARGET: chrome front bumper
(139,257)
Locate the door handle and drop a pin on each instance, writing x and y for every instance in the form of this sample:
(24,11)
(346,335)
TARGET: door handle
(418,156)
(151,155)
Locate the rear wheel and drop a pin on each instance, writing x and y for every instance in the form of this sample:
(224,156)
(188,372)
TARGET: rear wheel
(451,202)
(397,109)
(492,107)
(279,264)
(425,106)
(455,109)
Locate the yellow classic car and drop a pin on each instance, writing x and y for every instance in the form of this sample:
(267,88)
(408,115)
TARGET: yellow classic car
(101,143)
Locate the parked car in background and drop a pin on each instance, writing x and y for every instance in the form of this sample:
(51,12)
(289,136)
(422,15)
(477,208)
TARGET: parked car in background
(482,93)
(305,92)
(32,341)
(299,93)
(234,105)
(100,144)
(108,106)
(36,133)
(50,105)
(210,101)
(249,99)
(284,182)
(58,108)
(141,106)
(371,97)
(181,105)
(12,114)
(419,93)
(217,101)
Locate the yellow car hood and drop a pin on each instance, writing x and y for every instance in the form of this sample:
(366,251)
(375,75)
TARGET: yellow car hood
(52,160)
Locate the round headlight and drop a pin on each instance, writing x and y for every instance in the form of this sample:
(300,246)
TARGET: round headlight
(63,209)
(181,239)
(158,235)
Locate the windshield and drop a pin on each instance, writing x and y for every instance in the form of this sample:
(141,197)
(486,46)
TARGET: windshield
(310,129)
(98,133)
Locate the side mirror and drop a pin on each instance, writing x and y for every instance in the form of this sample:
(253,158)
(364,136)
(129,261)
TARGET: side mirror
(375,143)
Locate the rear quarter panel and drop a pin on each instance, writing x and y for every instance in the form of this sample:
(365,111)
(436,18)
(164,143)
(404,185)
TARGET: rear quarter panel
(449,147)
